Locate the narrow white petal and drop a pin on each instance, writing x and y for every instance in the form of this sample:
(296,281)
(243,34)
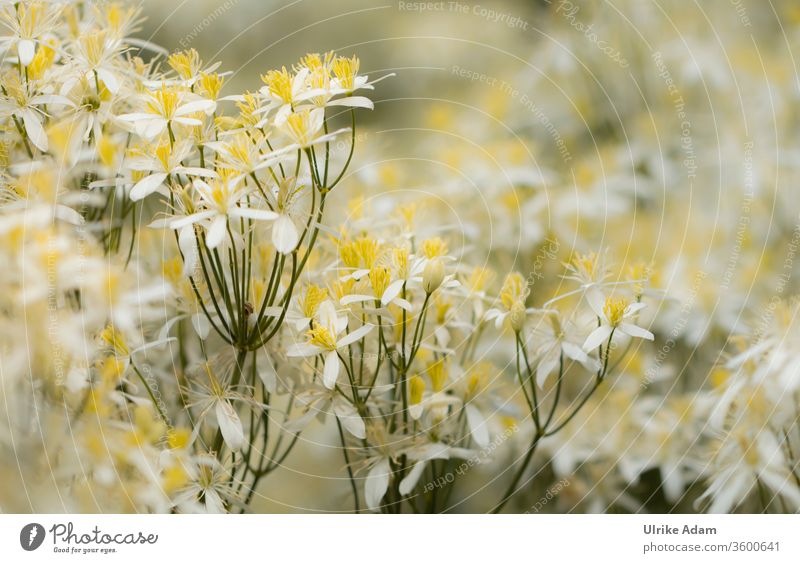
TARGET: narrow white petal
(217,231)
(303,350)
(354,336)
(574,352)
(34,129)
(327,313)
(230,425)
(331,370)
(636,331)
(147,186)
(353,102)
(26,49)
(376,484)
(477,426)
(267,372)
(201,325)
(284,235)
(392,291)
(188,245)
(355,298)
(190,219)
(597,337)
(195,107)
(596,302)
(544,369)
(349,418)
(109,80)
(256,214)
(407,485)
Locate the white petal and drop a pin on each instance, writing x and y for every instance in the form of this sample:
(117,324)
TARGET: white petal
(201,325)
(284,235)
(407,485)
(354,298)
(392,291)
(330,372)
(544,369)
(597,337)
(257,214)
(195,107)
(147,185)
(188,245)
(354,336)
(34,129)
(303,350)
(214,504)
(217,231)
(574,352)
(230,425)
(477,426)
(634,308)
(349,417)
(188,121)
(195,171)
(327,313)
(26,49)
(353,102)
(596,302)
(109,80)
(636,331)
(376,484)
(190,219)
(267,372)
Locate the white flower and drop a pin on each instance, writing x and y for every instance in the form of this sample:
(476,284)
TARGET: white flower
(557,339)
(744,458)
(20,104)
(164,162)
(612,314)
(319,402)
(28,22)
(221,200)
(304,129)
(324,339)
(164,107)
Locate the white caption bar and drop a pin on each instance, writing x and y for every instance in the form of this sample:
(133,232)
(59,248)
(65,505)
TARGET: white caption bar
(331,539)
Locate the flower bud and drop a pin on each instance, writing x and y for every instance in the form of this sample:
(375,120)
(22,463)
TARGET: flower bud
(517,315)
(432,276)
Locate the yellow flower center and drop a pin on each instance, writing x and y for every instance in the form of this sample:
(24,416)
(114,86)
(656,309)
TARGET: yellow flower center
(320,336)
(164,102)
(313,298)
(185,63)
(434,247)
(279,83)
(379,278)
(614,310)
(346,70)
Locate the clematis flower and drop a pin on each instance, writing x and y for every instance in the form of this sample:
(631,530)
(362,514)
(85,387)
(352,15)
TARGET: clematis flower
(166,160)
(613,314)
(164,107)
(324,340)
(221,200)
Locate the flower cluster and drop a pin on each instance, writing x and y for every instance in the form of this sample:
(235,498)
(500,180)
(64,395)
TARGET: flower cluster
(180,308)
(199,281)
